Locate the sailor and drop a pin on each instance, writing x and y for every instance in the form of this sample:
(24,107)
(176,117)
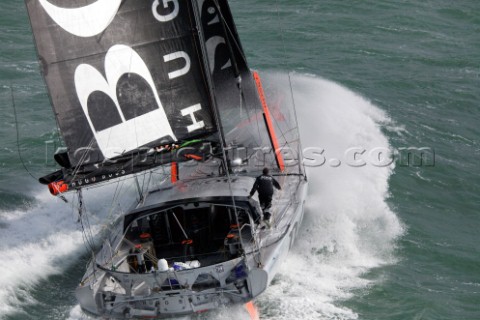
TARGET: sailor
(264,185)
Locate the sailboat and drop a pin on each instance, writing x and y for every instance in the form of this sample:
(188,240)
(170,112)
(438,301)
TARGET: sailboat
(146,86)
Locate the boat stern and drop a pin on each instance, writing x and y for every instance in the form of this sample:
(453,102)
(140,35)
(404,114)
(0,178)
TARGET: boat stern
(86,298)
(171,293)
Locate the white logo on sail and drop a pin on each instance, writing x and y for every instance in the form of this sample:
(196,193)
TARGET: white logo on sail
(133,133)
(213,42)
(169,16)
(190,112)
(212,45)
(86,21)
(178,55)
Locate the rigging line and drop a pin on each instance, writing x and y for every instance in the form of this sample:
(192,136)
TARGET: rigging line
(241,93)
(280,128)
(115,193)
(244,59)
(240,51)
(291,88)
(84,215)
(89,229)
(234,64)
(18,134)
(255,118)
(296,121)
(209,82)
(227,172)
(237,72)
(118,191)
(81,212)
(286,142)
(148,184)
(86,241)
(82,159)
(239,48)
(88,233)
(112,207)
(249,119)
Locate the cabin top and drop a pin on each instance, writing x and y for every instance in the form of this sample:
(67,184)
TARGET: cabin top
(201,189)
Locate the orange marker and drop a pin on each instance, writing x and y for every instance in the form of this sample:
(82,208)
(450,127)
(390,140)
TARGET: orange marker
(269,122)
(58,187)
(252,310)
(174,172)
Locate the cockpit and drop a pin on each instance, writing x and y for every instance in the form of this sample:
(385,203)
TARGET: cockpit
(185,235)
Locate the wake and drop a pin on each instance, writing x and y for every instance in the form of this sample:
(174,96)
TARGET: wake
(348,227)
(44,240)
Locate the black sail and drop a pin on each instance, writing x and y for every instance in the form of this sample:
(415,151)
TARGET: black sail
(122,74)
(236,94)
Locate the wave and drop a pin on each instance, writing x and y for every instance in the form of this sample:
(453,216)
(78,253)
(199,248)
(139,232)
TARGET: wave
(348,227)
(43,240)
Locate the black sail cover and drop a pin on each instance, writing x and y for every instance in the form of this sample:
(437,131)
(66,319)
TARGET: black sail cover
(122,74)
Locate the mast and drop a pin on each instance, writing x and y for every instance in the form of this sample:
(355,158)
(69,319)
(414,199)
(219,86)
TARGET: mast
(211,86)
(210,82)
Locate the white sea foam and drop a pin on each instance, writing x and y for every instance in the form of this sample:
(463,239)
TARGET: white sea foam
(39,242)
(32,243)
(348,227)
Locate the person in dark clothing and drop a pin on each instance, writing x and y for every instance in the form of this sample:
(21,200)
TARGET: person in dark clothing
(264,185)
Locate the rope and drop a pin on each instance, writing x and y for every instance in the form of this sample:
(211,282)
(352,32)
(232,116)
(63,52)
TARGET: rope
(291,88)
(82,159)
(239,48)
(89,243)
(18,135)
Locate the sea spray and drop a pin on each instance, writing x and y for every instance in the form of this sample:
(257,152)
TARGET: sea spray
(348,227)
(44,239)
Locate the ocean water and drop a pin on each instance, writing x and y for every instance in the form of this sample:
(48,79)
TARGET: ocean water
(378,242)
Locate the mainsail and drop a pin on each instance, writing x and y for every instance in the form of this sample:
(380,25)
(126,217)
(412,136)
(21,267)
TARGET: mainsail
(126,76)
(122,74)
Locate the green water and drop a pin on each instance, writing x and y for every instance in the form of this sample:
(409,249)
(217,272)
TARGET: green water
(419,62)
